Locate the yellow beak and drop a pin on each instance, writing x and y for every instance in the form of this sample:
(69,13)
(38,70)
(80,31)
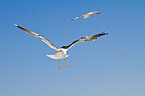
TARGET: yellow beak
(57,51)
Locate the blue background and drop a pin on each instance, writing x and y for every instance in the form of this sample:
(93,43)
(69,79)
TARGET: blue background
(113,65)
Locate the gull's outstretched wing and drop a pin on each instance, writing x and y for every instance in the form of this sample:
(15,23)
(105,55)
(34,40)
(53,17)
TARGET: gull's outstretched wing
(84,16)
(84,39)
(76,17)
(37,35)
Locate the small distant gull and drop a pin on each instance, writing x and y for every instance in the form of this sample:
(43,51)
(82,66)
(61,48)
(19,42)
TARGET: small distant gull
(87,15)
(61,52)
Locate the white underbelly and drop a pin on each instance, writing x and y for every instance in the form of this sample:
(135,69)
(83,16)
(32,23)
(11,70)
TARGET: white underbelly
(60,55)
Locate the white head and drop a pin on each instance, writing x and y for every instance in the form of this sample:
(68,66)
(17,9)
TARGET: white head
(97,12)
(64,50)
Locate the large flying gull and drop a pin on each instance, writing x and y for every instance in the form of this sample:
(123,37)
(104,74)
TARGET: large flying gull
(87,15)
(61,52)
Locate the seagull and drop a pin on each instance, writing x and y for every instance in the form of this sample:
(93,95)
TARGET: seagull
(61,52)
(87,15)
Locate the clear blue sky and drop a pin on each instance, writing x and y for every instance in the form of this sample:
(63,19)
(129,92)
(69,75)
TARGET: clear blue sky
(113,65)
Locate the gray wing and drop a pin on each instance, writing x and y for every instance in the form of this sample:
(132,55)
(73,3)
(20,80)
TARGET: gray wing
(37,35)
(84,39)
(76,17)
(85,16)
(91,38)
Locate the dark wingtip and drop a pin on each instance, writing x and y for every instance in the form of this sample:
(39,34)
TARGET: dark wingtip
(100,12)
(104,33)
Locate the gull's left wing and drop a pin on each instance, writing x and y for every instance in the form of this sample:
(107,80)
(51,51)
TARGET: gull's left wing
(84,16)
(37,35)
(76,17)
(85,39)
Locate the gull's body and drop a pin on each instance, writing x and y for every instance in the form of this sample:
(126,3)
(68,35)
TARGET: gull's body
(61,52)
(86,15)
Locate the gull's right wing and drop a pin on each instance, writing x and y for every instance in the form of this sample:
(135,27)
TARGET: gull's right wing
(85,39)
(37,35)
(76,17)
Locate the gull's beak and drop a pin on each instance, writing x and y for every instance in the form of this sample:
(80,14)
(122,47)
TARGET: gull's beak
(57,51)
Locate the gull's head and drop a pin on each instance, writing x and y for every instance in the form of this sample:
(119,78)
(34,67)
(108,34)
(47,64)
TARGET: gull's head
(63,50)
(97,12)
(58,50)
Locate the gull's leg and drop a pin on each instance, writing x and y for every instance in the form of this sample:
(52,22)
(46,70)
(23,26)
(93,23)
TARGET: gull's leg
(66,62)
(59,64)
